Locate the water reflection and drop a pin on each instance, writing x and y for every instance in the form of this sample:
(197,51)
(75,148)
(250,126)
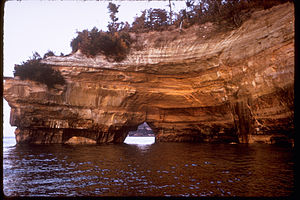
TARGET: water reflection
(143,143)
(140,140)
(157,169)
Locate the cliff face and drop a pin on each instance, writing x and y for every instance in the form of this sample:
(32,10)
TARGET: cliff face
(199,85)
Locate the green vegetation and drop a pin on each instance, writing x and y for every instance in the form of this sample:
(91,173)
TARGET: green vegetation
(152,19)
(34,70)
(115,44)
(49,53)
(198,12)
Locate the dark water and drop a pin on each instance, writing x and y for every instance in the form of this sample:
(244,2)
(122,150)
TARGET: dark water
(162,169)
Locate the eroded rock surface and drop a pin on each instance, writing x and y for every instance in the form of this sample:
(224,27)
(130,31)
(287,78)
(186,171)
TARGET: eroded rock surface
(200,85)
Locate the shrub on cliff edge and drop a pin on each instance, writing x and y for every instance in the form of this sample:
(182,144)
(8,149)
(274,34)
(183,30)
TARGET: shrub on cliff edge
(34,70)
(114,45)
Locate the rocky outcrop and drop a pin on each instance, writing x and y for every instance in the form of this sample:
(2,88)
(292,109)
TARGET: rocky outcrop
(80,140)
(143,130)
(199,85)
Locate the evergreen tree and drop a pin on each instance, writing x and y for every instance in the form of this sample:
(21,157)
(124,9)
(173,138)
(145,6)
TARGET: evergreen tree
(113,26)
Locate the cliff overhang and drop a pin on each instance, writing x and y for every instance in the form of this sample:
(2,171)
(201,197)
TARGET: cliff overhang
(202,85)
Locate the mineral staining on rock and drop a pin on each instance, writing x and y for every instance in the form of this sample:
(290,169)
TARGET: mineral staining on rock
(235,86)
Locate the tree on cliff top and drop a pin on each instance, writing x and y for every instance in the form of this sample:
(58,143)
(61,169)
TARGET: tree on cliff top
(227,12)
(151,19)
(158,19)
(114,44)
(113,26)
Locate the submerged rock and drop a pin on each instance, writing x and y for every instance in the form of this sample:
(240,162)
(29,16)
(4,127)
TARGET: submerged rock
(234,86)
(80,140)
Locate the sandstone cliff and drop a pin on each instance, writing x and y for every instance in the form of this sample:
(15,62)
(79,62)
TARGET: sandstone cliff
(199,85)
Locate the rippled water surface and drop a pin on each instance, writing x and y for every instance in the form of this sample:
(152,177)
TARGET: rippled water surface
(160,169)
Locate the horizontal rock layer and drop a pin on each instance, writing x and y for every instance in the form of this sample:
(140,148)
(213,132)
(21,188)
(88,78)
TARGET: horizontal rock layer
(199,85)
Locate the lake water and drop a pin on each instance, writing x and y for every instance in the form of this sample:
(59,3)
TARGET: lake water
(148,169)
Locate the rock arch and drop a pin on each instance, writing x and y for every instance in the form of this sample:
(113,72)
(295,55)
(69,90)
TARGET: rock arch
(224,87)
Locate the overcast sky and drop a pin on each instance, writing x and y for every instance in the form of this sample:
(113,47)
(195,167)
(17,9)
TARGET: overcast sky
(40,26)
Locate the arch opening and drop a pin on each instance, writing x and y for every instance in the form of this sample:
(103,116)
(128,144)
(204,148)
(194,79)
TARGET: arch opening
(144,135)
